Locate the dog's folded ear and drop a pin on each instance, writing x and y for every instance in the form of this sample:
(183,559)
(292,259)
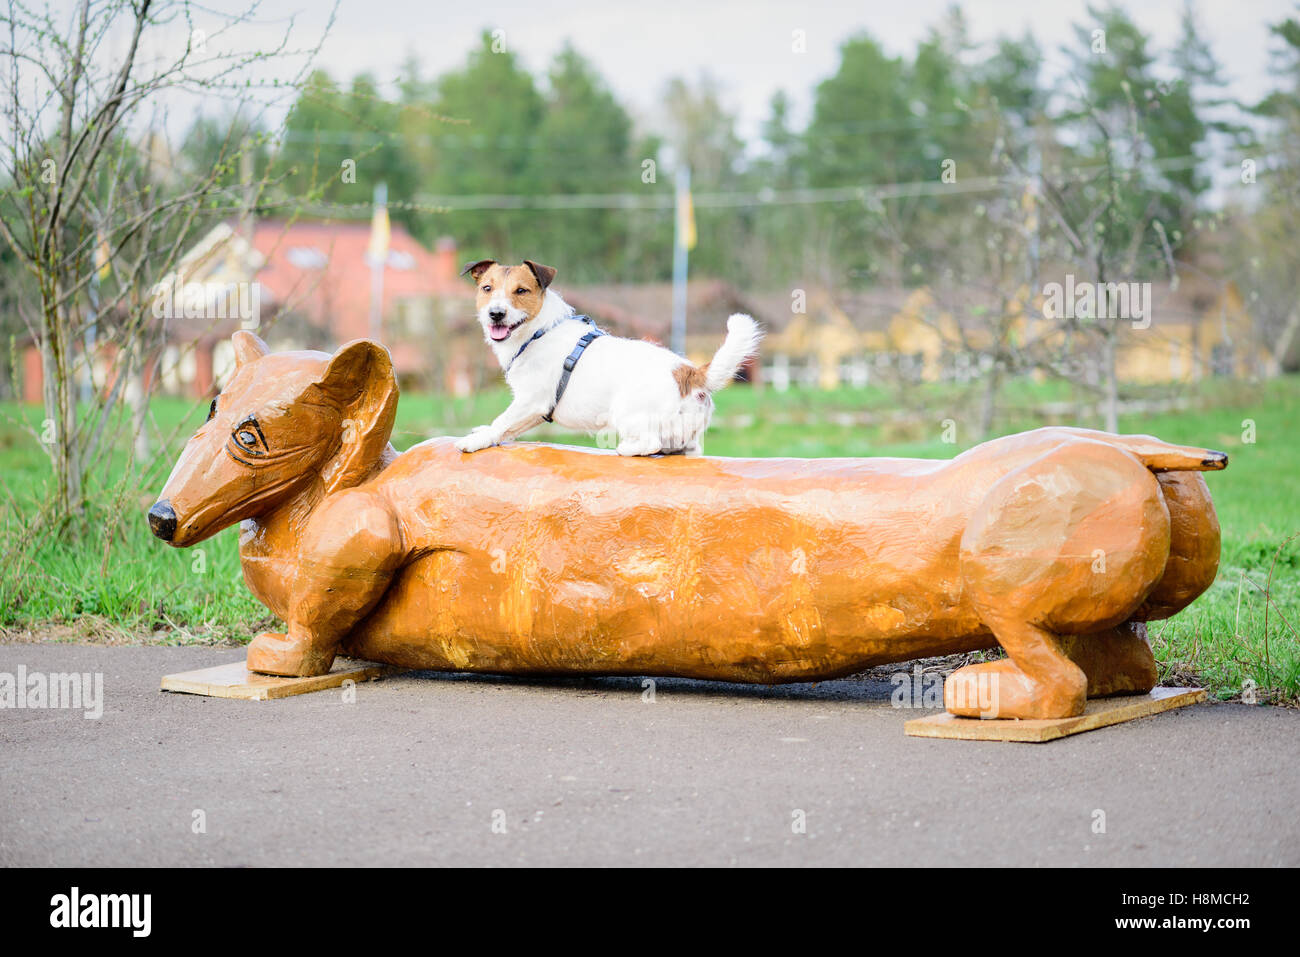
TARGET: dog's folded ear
(544,274)
(477,269)
(359,381)
(247,347)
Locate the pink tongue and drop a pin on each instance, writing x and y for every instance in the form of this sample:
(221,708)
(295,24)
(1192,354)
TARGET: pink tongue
(499,333)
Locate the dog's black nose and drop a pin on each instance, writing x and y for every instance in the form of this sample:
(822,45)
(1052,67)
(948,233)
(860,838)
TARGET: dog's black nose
(163,520)
(496,314)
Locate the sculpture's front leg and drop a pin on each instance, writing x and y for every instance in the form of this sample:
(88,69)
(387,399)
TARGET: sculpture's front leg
(299,655)
(347,559)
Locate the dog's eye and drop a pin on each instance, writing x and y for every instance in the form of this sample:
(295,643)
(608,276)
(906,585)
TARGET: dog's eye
(247,438)
(487,288)
(520,291)
(212,410)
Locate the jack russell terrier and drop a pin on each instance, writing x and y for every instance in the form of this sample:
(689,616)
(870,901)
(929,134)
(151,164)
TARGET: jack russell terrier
(652,398)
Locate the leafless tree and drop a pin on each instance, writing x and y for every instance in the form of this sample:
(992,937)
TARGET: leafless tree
(1104,218)
(93,187)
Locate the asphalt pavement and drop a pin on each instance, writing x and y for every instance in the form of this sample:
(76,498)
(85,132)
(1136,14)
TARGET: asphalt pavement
(429,769)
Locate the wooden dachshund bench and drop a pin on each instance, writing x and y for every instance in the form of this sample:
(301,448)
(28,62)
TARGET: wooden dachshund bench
(1056,544)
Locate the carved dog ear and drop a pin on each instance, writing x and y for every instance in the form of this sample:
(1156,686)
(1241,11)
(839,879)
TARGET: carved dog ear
(544,274)
(247,347)
(477,269)
(359,381)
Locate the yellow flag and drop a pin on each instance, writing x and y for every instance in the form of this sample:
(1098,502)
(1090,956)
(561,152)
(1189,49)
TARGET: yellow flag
(1029,203)
(103,264)
(686,219)
(379,235)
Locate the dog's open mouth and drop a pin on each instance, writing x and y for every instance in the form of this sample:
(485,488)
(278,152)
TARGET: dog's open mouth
(500,332)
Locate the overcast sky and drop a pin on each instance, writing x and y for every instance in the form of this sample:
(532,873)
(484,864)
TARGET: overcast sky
(639,44)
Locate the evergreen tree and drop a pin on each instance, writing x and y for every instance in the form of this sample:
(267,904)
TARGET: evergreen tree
(491,154)
(1126,111)
(1264,260)
(340,143)
(583,146)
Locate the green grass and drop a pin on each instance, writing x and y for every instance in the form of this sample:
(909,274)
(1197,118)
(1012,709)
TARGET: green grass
(107,576)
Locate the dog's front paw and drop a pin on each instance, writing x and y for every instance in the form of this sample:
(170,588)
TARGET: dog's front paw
(481,438)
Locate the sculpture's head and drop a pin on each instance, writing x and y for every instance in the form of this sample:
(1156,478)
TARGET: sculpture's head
(283,423)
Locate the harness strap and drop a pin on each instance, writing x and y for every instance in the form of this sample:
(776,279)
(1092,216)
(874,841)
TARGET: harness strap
(569,364)
(537,335)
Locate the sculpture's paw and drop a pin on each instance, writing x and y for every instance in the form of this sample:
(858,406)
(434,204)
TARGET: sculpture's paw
(274,654)
(999,689)
(481,437)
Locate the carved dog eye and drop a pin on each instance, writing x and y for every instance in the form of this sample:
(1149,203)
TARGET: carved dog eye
(248,440)
(212,410)
(248,436)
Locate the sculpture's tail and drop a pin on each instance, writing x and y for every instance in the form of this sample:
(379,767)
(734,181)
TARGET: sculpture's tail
(1160,456)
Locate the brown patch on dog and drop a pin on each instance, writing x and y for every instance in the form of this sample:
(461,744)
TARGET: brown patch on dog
(690,378)
(519,282)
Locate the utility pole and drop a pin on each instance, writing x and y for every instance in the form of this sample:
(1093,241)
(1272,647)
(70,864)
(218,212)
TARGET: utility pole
(378,256)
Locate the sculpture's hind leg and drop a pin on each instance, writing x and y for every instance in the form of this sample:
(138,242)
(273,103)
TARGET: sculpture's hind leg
(1036,681)
(1068,544)
(1112,662)
(1116,661)
(1193,546)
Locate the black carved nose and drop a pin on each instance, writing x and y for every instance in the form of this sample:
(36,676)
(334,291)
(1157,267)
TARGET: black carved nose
(496,314)
(163,520)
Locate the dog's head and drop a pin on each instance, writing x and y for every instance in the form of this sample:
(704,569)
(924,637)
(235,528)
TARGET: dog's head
(509,298)
(284,422)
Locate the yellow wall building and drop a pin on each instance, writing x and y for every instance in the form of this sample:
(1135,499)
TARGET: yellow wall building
(1194,330)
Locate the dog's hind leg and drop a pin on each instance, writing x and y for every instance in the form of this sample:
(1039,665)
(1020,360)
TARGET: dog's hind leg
(638,434)
(639,445)
(1067,544)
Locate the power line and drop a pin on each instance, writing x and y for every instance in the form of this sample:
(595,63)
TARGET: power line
(654,200)
(473,140)
(719,200)
(658,200)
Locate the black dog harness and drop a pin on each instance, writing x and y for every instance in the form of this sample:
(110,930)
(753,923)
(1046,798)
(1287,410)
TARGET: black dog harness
(569,363)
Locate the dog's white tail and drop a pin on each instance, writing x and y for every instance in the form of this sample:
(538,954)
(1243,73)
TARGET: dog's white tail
(743,336)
